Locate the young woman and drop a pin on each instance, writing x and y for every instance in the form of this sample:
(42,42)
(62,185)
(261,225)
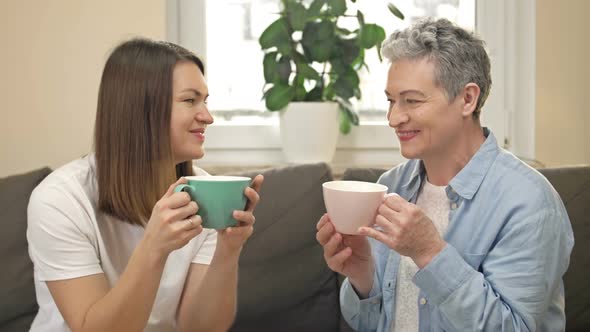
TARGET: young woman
(114,248)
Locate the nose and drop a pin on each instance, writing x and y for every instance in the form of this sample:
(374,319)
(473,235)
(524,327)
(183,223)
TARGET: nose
(204,116)
(396,117)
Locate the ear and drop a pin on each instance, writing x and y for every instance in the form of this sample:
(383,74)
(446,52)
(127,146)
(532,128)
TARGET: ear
(470,96)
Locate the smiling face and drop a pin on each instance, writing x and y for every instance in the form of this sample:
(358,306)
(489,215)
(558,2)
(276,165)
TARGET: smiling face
(190,115)
(426,123)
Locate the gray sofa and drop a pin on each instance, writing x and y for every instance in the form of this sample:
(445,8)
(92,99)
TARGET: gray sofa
(284,283)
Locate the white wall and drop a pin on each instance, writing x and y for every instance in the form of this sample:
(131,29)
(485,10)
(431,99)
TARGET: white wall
(53,52)
(563,76)
(51,60)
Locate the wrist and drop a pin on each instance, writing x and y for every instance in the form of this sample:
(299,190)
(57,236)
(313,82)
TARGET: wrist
(363,284)
(426,256)
(154,256)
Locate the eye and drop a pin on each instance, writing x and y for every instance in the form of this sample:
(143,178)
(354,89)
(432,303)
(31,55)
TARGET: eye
(412,101)
(189,100)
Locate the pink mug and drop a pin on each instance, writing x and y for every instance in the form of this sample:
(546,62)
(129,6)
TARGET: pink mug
(352,204)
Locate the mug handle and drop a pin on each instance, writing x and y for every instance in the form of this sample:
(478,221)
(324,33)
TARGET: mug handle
(185,188)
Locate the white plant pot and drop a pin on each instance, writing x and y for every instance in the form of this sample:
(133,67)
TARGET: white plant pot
(309,131)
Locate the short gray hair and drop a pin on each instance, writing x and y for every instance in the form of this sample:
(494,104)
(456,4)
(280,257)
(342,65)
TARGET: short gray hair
(459,56)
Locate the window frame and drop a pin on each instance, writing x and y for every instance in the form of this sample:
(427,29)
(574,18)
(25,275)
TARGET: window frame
(507,26)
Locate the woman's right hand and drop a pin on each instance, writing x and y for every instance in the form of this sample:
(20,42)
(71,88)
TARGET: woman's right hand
(349,255)
(173,222)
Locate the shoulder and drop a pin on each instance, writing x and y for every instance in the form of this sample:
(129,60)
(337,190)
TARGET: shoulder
(511,176)
(400,174)
(519,194)
(74,178)
(68,193)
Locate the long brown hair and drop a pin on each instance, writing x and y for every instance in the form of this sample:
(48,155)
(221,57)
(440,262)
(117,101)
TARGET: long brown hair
(132,145)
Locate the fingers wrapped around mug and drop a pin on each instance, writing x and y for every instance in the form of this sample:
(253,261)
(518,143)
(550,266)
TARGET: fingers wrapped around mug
(252,193)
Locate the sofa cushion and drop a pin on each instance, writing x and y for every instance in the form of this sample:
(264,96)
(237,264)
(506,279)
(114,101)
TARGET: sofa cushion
(18,305)
(573,186)
(284,283)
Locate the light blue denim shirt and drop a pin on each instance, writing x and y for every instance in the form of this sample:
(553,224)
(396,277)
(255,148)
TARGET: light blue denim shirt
(508,245)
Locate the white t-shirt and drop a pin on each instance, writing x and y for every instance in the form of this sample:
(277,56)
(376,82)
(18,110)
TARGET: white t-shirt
(434,202)
(69,237)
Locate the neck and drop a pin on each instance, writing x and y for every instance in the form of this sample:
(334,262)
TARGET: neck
(443,166)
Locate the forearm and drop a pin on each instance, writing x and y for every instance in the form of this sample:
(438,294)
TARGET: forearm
(219,287)
(127,306)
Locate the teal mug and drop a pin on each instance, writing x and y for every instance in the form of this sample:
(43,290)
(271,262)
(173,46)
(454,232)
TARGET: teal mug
(217,197)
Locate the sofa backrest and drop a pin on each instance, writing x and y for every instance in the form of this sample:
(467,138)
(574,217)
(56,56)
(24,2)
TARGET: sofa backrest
(284,283)
(573,186)
(18,304)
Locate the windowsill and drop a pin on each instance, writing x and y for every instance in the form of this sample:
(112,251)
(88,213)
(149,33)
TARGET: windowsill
(230,145)
(337,169)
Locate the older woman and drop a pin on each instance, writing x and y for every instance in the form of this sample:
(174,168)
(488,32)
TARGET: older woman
(473,239)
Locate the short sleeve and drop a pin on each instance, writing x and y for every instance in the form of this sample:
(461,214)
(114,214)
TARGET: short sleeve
(205,252)
(62,240)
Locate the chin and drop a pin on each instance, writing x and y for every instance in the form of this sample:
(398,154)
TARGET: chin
(192,155)
(199,154)
(410,153)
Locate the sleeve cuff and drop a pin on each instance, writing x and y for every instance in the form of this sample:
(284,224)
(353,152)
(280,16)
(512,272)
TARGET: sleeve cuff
(443,275)
(355,310)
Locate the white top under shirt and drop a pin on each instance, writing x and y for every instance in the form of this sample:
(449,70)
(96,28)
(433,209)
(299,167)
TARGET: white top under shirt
(69,237)
(434,202)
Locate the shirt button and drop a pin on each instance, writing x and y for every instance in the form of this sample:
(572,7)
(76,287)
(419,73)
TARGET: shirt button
(423,301)
(454,206)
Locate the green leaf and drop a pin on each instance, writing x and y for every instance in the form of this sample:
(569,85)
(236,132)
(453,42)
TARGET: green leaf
(371,35)
(279,96)
(347,50)
(338,66)
(329,92)
(275,35)
(347,84)
(307,71)
(300,92)
(315,8)
(270,67)
(343,89)
(297,16)
(318,40)
(298,57)
(393,9)
(349,110)
(337,7)
(360,17)
(284,69)
(379,52)
(359,61)
(342,31)
(344,122)
(314,95)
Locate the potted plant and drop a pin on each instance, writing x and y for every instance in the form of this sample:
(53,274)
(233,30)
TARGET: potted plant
(310,62)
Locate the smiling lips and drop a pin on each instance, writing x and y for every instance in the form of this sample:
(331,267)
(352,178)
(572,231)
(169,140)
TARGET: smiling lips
(406,135)
(199,133)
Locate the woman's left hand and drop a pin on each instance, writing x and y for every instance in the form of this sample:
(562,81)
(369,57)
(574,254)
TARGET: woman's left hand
(233,238)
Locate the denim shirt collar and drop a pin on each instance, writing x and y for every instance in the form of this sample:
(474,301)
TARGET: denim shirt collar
(467,181)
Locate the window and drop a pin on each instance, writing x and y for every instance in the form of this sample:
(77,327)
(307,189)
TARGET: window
(225,34)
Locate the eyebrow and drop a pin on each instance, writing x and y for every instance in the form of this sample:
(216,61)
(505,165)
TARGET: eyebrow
(408,91)
(197,92)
